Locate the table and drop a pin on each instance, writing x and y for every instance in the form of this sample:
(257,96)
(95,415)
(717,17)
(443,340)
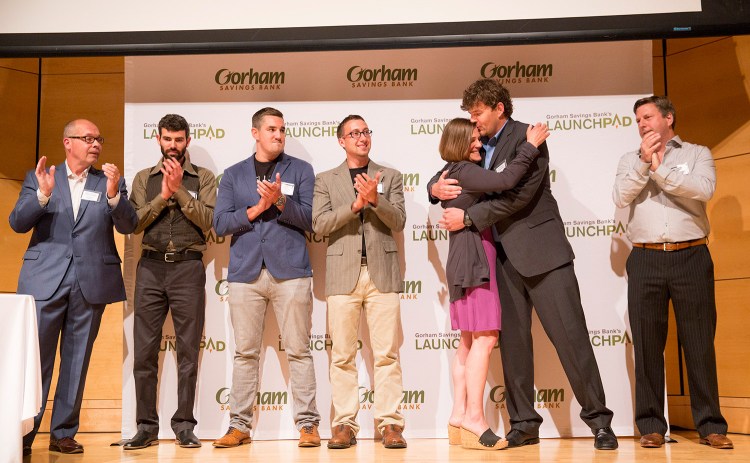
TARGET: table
(20,370)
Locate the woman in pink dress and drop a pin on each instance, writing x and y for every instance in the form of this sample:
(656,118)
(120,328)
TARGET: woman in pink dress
(470,271)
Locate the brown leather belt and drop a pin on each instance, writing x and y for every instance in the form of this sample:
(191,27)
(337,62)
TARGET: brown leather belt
(671,246)
(364,260)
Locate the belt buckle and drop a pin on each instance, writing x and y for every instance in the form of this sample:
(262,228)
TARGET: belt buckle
(168,256)
(664,246)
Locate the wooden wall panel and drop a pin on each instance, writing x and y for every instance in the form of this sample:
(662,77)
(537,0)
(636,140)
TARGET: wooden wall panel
(729,214)
(30,65)
(732,341)
(13,244)
(707,87)
(91,88)
(707,82)
(18,99)
(97,97)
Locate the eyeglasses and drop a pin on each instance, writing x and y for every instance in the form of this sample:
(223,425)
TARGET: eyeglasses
(355,135)
(90,140)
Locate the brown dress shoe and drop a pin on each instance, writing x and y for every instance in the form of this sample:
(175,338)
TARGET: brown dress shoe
(309,437)
(717,441)
(233,438)
(653,440)
(65,445)
(342,437)
(392,437)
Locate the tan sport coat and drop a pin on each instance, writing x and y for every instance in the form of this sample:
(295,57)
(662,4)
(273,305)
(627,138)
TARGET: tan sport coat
(333,216)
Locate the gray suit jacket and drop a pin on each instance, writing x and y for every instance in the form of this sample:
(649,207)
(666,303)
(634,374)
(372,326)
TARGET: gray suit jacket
(333,216)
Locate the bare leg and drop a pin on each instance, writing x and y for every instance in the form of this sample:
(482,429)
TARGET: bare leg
(477,364)
(458,373)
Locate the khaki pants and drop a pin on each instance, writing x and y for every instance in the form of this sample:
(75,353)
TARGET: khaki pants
(383,315)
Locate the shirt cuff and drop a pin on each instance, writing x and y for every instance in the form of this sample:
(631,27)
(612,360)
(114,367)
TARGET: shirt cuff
(114,201)
(43,199)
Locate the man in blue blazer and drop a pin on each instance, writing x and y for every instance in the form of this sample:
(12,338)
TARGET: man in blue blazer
(71,267)
(265,203)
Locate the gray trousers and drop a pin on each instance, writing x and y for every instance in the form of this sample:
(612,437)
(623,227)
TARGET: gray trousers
(292,303)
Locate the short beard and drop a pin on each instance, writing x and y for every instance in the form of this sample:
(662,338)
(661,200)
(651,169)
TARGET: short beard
(180,157)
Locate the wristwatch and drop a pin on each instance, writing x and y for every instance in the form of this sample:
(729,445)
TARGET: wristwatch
(281,201)
(467,220)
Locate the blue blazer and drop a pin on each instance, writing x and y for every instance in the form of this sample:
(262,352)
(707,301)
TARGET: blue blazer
(279,242)
(58,239)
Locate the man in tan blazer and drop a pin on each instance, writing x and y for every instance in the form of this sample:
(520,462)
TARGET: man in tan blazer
(359,204)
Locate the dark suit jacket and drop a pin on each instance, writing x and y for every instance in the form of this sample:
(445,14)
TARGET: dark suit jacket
(467,264)
(279,242)
(526,217)
(58,238)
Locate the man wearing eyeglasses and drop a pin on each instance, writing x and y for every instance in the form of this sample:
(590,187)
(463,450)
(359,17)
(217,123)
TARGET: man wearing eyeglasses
(359,204)
(265,203)
(71,267)
(175,202)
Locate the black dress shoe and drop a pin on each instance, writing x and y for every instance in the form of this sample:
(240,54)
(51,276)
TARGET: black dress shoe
(605,439)
(517,438)
(65,445)
(186,439)
(141,440)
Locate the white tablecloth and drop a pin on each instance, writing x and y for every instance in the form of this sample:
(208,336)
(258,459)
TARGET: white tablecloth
(20,373)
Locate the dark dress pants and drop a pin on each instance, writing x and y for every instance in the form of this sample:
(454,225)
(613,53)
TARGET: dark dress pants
(557,300)
(161,287)
(687,278)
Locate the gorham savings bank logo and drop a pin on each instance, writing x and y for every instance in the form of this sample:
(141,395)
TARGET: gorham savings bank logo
(518,72)
(543,398)
(248,80)
(411,400)
(381,76)
(265,401)
(411,181)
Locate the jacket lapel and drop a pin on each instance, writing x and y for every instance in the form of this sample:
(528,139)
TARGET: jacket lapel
(501,145)
(92,182)
(344,182)
(249,176)
(62,186)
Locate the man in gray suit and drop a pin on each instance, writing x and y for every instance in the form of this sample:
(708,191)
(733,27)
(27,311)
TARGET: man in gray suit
(359,204)
(534,269)
(71,267)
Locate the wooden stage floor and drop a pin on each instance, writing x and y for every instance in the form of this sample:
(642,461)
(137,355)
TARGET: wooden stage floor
(686,449)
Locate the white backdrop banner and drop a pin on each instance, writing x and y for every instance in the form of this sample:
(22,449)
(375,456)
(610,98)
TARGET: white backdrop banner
(406,96)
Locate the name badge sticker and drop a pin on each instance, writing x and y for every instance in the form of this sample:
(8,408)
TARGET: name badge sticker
(287,188)
(380,188)
(501,167)
(91,195)
(683,168)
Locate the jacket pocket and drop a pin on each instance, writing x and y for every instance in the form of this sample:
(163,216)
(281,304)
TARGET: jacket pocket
(540,219)
(390,246)
(31,255)
(110,259)
(335,250)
